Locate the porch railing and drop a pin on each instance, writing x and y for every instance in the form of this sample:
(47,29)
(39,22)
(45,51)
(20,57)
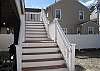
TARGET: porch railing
(56,33)
(45,20)
(33,17)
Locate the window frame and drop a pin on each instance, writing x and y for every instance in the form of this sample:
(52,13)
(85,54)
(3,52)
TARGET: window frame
(56,14)
(92,30)
(79,15)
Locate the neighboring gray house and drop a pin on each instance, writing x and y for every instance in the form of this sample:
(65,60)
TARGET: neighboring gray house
(71,14)
(92,26)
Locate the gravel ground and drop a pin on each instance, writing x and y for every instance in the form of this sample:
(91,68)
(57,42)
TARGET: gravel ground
(88,60)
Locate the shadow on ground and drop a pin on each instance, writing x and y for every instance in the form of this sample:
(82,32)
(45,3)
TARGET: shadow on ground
(79,68)
(88,53)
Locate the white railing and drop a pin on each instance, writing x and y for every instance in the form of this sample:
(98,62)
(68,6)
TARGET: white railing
(32,16)
(21,34)
(45,20)
(56,33)
(67,49)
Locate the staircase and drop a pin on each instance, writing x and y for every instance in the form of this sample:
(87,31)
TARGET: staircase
(40,53)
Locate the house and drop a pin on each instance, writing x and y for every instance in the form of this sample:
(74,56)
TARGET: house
(34,48)
(98,8)
(71,14)
(91,26)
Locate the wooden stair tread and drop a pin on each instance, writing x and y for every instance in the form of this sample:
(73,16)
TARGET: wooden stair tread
(36,33)
(34,24)
(44,67)
(41,53)
(35,30)
(38,41)
(36,37)
(41,60)
(39,47)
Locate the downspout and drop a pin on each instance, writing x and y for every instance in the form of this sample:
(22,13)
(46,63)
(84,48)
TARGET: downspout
(98,14)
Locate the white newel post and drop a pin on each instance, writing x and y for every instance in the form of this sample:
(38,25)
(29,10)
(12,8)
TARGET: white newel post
(22,30)
(71,57)
(19,57)
(21,39)
(55,30)
(41,16)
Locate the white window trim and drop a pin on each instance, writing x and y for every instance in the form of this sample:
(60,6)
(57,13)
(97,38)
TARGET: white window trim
(60,13)
(92,30)
(79,15)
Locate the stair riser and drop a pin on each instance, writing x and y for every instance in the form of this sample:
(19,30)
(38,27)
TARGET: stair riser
(32,22)
(38,44)
(42,56)
(35,30)
(40,50)
(34,26)
(46,63)
(36,38)
(31,32)
(30,35)
(59,69)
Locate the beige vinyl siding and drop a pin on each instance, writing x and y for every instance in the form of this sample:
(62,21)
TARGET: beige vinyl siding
(70,14)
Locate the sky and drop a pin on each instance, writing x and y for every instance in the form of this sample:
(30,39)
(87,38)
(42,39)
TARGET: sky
(38,3)
(88,2)
(45,3)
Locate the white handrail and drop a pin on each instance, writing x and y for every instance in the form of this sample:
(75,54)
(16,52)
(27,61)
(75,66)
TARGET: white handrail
(66,41)
(56,33)
(45,20)
(67,49)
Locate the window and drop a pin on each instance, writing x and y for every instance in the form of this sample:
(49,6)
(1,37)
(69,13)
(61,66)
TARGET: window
(58,13)
(81,15)
(90,30)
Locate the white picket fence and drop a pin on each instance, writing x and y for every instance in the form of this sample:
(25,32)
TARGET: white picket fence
(85,41)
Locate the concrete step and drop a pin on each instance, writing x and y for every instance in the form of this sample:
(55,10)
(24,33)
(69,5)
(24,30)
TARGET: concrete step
(39,44)
(41,56)
(40,50)
(44,63)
